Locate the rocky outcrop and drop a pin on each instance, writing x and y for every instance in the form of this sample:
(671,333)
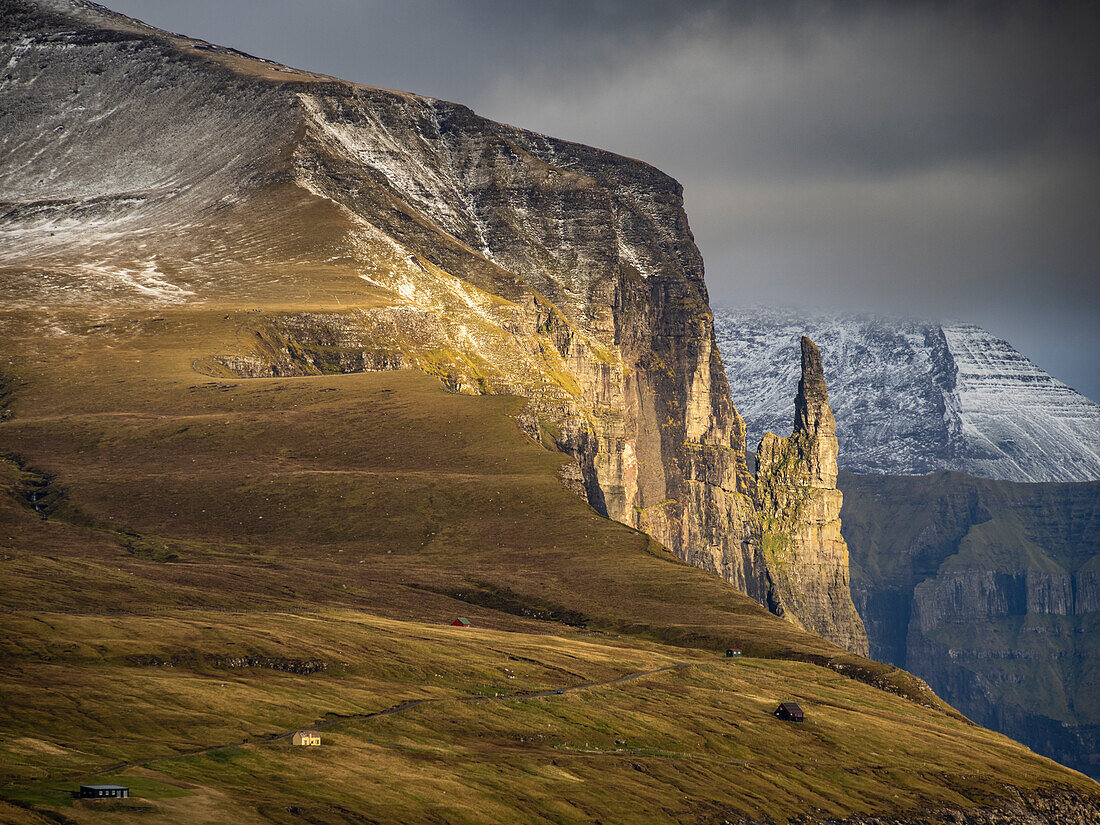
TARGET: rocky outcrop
(800,514)
(989,591)
(303,667)
(500,260)
(558,272)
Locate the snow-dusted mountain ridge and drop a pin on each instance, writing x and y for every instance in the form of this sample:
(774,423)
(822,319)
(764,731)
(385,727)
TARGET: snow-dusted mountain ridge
(914,397)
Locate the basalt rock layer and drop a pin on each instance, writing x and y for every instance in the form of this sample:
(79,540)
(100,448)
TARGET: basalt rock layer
(800,510)
(501,260)
(990,591)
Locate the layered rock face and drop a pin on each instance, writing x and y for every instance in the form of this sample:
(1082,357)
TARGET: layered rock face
(578,286)
(800,512)
(375,229)
(991,592)
(501,260)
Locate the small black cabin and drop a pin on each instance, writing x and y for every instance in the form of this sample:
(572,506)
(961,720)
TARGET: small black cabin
(104,792)
(789,711)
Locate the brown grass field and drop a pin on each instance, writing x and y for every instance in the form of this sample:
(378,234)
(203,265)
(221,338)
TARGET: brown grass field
(215,562)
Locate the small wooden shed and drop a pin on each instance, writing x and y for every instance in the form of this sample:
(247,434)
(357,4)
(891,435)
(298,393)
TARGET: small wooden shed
(460,622)
(104,792)
(789,711)
(306,737)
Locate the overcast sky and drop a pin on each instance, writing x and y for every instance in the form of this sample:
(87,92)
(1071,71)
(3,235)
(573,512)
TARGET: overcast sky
(937,159)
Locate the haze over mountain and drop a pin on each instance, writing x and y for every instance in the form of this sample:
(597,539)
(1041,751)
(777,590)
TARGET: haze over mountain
(914,397)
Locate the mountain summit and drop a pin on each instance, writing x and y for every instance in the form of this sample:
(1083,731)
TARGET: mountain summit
(913,397)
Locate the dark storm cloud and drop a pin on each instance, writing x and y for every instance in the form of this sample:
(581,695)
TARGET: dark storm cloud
(938,159)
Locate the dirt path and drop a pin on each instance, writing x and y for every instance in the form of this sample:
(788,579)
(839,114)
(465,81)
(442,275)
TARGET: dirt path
(401,708)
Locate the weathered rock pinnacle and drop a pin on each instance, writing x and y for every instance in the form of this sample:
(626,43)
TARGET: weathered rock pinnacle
(814,416)
(800,515)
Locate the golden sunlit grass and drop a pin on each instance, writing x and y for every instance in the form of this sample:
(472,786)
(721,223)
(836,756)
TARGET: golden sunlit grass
(225,560)
(153,690)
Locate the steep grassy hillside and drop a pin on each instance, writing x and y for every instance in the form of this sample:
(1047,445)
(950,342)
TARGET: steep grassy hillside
(990,591)
(319,489)
(193,567)
(694,742)
(238,500)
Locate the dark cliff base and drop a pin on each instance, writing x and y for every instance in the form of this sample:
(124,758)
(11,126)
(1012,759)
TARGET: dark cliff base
(991,592)
(1051,806)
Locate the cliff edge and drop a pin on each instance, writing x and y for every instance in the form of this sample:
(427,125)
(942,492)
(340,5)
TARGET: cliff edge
(376,230)
(800,513)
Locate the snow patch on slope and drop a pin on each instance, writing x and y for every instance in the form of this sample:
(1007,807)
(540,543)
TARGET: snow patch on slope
(913,397)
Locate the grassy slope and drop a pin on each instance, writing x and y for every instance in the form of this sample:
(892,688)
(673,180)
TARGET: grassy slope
(347,519)
(328,490)
(649,750)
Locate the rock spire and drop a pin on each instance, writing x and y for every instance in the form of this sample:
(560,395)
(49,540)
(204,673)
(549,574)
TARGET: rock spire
(800,516)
